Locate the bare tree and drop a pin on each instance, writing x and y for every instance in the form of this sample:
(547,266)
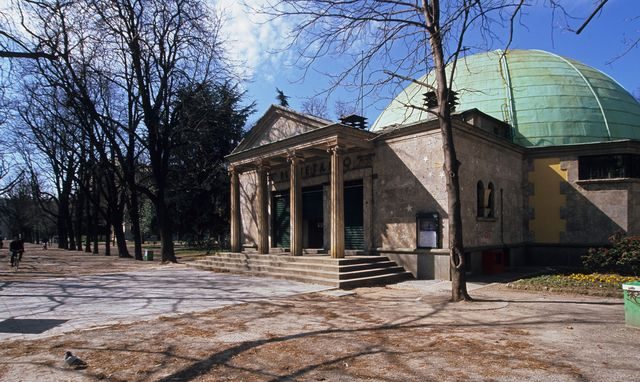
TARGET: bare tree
(9,180)
(12,45)
(343,108)
(120,64)
(315,106)
(569,19)
(167,45)
(432,36)
(51,133)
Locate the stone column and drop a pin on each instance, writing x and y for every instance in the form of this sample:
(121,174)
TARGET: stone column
(337,203)
(295,204)
(263,211)
(236,245)
(367,190)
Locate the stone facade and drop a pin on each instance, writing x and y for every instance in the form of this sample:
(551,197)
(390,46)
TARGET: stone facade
(566,214)
(409,180)
(519,205)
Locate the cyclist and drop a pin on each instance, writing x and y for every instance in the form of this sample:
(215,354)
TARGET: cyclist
(16,248)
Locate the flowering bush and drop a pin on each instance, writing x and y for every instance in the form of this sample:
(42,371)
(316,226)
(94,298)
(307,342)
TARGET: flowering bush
(597,284)
(613,280)
(623,257)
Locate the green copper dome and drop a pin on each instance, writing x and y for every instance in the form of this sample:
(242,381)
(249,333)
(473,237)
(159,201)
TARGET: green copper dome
(548,99)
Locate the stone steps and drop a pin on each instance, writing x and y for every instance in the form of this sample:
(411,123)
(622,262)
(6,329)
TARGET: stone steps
(347,272)
(278,263)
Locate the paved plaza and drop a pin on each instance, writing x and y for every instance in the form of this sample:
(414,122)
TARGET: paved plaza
(45,307)
(146,321)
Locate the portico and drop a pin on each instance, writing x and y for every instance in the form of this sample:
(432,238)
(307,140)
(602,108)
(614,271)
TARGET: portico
(286,153)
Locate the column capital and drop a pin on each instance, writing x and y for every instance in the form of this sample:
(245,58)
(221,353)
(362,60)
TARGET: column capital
(263,165)
(232,170)
(336,149)
(294,156)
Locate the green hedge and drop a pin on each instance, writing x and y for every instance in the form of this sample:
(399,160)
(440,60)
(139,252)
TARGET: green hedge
(623,257)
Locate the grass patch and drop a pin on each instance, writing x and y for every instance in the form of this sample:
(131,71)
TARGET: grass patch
(594,284)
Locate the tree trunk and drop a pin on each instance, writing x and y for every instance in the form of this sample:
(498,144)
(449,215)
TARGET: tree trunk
(96,243)
(61,226)
(451,165)
(121,242)
(65,230)
(107,237)
(166,232)
(118,231)
(96,217)
(79,218)
(91,227)
(134,215)
(158,141)
(72,238)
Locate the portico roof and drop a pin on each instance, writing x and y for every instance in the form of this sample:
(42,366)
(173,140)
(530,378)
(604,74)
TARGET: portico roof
(306,139)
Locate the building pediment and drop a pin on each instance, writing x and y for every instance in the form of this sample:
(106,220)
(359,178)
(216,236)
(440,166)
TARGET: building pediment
(277,124)
(282,132)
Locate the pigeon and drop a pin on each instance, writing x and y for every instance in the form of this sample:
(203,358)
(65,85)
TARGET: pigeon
(73,361)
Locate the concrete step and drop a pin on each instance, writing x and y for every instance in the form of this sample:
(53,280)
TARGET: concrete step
(276,275)
(347,272)
(375,280)
(314,259)
(266,262)
(268,268)
(370,273)
(363,266)
(296,265)
(334,273)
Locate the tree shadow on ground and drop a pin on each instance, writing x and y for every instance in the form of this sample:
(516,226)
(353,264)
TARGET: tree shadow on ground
(224,357)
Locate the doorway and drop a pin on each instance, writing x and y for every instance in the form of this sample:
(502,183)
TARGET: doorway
(313,217)
(353,215)
(280,221)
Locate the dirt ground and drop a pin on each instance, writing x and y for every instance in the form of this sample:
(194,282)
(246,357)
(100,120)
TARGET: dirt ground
(394,333)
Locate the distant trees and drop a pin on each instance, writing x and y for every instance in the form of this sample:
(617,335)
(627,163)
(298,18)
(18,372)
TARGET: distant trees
(22,215)
(210,121)
(106,124)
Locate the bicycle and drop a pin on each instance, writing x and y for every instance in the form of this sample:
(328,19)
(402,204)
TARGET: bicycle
(16,257)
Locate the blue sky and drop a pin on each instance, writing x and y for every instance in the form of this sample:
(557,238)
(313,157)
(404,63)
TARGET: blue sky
(253,41)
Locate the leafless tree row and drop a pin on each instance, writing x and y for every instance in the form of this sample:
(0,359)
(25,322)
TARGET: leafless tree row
(99,117)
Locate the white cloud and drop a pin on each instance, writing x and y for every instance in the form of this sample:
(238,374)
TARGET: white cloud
(253,40)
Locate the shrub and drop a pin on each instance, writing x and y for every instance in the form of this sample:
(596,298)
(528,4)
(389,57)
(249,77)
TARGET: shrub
(623,257)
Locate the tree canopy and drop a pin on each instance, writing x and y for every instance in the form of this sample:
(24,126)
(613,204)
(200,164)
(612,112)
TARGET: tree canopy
(210,119)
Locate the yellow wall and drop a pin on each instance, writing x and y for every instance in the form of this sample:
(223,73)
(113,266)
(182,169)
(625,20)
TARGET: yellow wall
(546,201)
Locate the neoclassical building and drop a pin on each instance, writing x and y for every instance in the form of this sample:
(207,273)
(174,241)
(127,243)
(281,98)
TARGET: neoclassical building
(550,165)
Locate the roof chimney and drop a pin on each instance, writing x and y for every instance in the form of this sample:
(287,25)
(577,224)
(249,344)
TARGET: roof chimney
(354,120)
(431,100)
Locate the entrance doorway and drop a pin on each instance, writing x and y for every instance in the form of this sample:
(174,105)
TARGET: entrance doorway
(312,217)
(353,215)
(280,221)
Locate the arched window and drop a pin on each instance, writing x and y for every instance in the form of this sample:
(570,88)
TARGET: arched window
(480,198)
(490,201)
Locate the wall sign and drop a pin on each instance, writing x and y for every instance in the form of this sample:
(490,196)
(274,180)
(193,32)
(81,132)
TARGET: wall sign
(428,230)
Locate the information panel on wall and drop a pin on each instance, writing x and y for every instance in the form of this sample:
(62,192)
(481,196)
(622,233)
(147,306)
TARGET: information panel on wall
(428,227)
